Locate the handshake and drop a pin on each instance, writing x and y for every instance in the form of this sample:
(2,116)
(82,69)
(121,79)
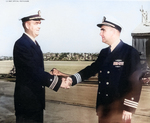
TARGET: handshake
(66,80)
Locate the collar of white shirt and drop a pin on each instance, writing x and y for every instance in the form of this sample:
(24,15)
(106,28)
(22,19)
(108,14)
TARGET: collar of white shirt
(113,46)
(30,37)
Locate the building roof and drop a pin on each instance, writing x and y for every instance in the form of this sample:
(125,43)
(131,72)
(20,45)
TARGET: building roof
(144,28)
(141,30)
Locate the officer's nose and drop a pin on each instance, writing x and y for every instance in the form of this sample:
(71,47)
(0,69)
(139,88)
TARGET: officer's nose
(39,26)
(100,33)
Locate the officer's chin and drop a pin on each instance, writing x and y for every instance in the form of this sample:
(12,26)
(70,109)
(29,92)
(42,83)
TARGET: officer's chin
(37,34)
(104,41)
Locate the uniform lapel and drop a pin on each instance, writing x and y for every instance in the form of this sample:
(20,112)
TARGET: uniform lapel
(36,50)
(39,52)
(112,55)
(118,47)
(33,45)
(117,51)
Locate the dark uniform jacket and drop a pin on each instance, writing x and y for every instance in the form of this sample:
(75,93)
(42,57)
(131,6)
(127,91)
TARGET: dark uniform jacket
(31,79)
(118,76)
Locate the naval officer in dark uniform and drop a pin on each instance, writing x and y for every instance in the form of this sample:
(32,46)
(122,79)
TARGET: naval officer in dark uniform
(31,79)
(119,71)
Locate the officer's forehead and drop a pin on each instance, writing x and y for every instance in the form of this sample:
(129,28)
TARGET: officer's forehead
(33,21)
(106,27)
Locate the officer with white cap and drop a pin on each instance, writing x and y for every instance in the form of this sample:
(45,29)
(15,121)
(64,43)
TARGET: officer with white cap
(34,16)
(119,71)
(31,79)
(108,25)
(112,22)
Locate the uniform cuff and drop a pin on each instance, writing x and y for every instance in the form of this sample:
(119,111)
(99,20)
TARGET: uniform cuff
(55,85)
(130,105)
(76,78)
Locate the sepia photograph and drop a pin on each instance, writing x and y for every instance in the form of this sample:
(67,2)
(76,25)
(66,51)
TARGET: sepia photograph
(75,61)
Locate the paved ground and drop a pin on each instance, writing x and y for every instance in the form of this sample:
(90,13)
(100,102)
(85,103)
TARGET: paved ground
(69,112)
(55,112)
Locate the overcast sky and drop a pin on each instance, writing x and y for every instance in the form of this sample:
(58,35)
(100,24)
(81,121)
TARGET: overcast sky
(69,25)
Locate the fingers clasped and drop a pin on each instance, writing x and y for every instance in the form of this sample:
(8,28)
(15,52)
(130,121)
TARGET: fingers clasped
(66,80)
(66,83)
(126,116)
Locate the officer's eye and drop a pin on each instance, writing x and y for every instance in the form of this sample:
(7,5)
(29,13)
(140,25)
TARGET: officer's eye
(103,30)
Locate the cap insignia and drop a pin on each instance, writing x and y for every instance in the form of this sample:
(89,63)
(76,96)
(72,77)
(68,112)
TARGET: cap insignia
(39,13)
(104,18)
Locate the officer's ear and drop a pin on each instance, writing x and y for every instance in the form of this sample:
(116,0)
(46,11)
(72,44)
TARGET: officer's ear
(117,32)
(27,25)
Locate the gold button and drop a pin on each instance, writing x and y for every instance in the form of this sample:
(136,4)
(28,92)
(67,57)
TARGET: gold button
(107,83)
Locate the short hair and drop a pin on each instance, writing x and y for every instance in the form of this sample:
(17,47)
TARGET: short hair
(23,24)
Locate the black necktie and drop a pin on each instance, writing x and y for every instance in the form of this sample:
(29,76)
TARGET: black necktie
(36,43)
(109,50)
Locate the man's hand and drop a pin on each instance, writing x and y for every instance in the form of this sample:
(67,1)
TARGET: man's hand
(56,72)
(126,116)
(66,83)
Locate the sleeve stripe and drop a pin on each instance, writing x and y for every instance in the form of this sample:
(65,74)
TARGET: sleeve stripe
(53,84)
(78,77)
(130,103)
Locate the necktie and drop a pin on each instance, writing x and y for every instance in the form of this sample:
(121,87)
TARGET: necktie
(109,50)
(36,43)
